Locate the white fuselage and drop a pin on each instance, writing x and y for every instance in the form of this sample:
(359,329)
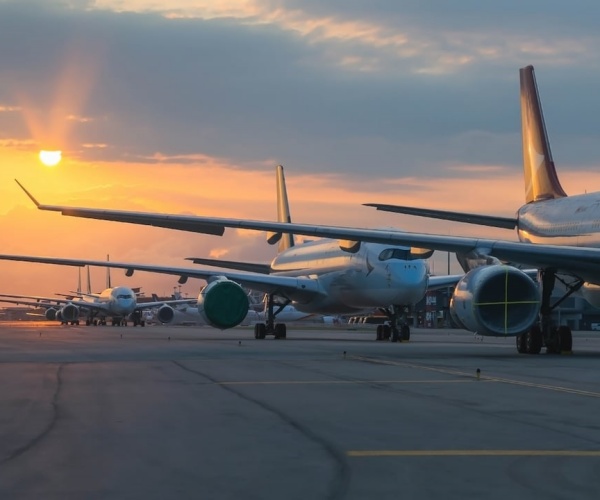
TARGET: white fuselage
(573,220)
(119,301)
(375,276)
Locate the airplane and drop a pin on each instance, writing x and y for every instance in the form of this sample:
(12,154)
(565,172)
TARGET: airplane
(118,303)
(187,313)
(318,277)
(559,235)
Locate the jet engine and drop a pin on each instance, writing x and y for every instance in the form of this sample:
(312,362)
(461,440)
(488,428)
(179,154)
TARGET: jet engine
(223,303)
(70,312)
(165,314)
(50,314)
(496,300)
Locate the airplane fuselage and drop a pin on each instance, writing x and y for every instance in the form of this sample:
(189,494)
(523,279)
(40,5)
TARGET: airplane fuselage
(573,221)
(374,276)
(119,301)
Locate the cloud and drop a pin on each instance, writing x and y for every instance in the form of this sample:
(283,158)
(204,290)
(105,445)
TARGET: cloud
(256,82)
(186,106)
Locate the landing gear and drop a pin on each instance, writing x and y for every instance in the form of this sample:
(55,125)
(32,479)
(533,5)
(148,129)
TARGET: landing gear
(384,332)
(397,329)
(278,330)
(556,339)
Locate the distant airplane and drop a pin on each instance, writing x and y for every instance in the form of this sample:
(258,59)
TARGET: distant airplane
(559,235)
(117,303)
(321,277)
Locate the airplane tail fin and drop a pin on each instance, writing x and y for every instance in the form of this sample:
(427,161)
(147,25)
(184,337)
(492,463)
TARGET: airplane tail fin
(283,214)
(108,283)
(89,282)
(541,181)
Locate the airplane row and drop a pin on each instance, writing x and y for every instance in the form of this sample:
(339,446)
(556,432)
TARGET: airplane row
(352,269)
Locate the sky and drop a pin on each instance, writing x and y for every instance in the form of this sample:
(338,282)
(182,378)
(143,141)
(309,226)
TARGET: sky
(187,106)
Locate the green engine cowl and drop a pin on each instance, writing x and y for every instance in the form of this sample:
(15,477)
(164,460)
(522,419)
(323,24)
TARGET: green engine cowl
(223,304)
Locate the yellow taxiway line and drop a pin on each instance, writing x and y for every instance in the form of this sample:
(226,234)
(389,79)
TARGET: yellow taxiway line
(473,453)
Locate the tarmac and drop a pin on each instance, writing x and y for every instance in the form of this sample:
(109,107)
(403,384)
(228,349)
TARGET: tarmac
(329,413)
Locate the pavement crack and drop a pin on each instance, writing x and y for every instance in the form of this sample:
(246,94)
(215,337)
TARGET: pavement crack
(341,480)
(50,425)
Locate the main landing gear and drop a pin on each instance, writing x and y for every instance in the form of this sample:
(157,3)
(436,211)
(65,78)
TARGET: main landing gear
(397,329)
(278,330)
(556,339)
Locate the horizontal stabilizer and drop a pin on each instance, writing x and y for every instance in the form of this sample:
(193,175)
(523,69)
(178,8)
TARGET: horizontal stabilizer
(480,220)
(232,264)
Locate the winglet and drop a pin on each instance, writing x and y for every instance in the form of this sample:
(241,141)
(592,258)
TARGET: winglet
(31,197)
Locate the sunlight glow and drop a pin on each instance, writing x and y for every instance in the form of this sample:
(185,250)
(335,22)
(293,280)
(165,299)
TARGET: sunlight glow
(50,158)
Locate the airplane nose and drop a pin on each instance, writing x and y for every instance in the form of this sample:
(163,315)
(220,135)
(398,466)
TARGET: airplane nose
(410,279)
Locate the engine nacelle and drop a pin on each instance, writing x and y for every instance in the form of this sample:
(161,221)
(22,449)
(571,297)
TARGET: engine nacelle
(70,312)
(50,314)
(223,304)
(591,293)
(165,314)
(496,300)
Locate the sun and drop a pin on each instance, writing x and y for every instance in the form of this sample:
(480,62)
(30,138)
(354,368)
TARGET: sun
(50,158)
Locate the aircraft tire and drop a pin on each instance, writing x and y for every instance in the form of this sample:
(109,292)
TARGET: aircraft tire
(280,331)
(387,332)
(565,337)
(405,333)
(379,332)
(261,330)
(534,340)
(522,343)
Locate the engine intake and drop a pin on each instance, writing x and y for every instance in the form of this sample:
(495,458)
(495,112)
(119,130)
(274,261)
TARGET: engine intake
(223,303)
(496,300)
(165,314)
(70,312)
(50,314)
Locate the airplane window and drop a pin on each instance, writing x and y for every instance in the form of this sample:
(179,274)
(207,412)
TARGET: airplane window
(394,253)
(124,296)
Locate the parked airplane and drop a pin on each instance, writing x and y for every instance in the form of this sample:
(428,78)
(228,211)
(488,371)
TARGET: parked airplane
(320,277)
(187,313)
(53,307)
(559,235)
(118,303)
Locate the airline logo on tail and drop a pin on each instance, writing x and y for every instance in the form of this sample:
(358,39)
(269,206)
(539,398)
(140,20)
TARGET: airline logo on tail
(541,181)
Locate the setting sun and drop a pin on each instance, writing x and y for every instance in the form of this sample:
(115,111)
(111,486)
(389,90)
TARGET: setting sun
(50,158)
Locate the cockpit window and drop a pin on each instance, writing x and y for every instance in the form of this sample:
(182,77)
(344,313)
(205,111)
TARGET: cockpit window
(124,296)
(394,253)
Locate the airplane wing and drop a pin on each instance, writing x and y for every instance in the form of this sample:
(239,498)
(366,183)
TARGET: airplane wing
(149,305)
(479,219)
(232,264)
(31,303)
(581,261)
(436,282)
(280,285)
(52,301)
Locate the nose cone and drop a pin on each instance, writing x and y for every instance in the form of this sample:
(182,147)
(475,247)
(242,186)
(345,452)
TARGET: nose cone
(409,278)
(125,306)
